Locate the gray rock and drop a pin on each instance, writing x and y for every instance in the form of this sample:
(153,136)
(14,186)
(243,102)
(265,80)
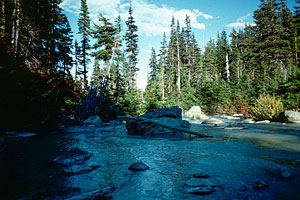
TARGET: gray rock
(289,116)
(193,113)
(286,175)
(93,120)
(212,121)
(138,166)
(73,156)
(148,128)
(79,169)
(19,134)
(260,185)
(171,112)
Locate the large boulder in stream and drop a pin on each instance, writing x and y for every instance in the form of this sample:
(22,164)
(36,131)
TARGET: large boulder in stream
(195,113)
(158,122)
(172,112)
(93,120)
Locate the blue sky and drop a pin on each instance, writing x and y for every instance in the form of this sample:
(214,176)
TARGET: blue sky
(153,18)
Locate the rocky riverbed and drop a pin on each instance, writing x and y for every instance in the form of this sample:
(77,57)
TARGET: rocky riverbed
(97,161)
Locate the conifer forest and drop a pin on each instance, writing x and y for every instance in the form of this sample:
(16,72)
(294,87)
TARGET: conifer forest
(38,52)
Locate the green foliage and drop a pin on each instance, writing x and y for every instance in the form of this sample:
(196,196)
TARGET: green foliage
(266,108)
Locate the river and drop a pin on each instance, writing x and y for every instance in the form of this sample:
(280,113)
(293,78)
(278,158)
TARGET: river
(233,159)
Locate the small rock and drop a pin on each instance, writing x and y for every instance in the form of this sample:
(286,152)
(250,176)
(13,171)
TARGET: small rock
(263,122)
(260,185)
(286,175)
(203,190)
(200,175)
(138,166)
(93,120)
(235,126)
(247,121)
(196,182)
(212,121)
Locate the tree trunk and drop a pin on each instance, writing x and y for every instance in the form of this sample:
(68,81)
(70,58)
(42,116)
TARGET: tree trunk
(15,26)
(2,27)
(162,85)
(227,68)
(178,65)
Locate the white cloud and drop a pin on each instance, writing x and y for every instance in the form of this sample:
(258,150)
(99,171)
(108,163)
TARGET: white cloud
(240,22)
(151,19)
(237,25)
(148,51)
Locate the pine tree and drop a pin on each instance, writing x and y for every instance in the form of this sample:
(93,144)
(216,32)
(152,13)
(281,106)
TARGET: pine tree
(163,62)
(131,40)
(84,26)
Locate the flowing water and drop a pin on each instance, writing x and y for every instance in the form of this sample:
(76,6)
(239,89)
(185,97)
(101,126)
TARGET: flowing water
(234,160)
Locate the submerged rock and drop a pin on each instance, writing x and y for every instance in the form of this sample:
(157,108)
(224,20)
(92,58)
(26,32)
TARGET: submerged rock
(138,166)
(212,121)
(202,190)
(19,134)
(93,120)
(103,193)
(260,185)
(286,175)
(200,186)
(73,156)
(235,126)
(79,169)
(201,175)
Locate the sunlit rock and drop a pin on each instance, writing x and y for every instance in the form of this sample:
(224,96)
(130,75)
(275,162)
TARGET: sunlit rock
(263,122)
(194,113)
(289,116)
(248,121)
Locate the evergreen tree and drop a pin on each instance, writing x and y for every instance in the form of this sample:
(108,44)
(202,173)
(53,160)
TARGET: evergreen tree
(131,40)
(84,26)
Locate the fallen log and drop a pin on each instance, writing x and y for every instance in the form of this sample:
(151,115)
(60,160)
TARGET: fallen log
(153,124)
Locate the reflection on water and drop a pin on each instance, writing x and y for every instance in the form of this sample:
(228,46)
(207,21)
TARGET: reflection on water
(234,159)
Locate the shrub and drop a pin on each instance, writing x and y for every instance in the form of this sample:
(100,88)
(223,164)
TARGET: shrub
(266,108)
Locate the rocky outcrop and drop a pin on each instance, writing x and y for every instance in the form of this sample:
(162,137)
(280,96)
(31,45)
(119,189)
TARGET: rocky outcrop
(171,112)
(157,122)
(289,116)
(93,120)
